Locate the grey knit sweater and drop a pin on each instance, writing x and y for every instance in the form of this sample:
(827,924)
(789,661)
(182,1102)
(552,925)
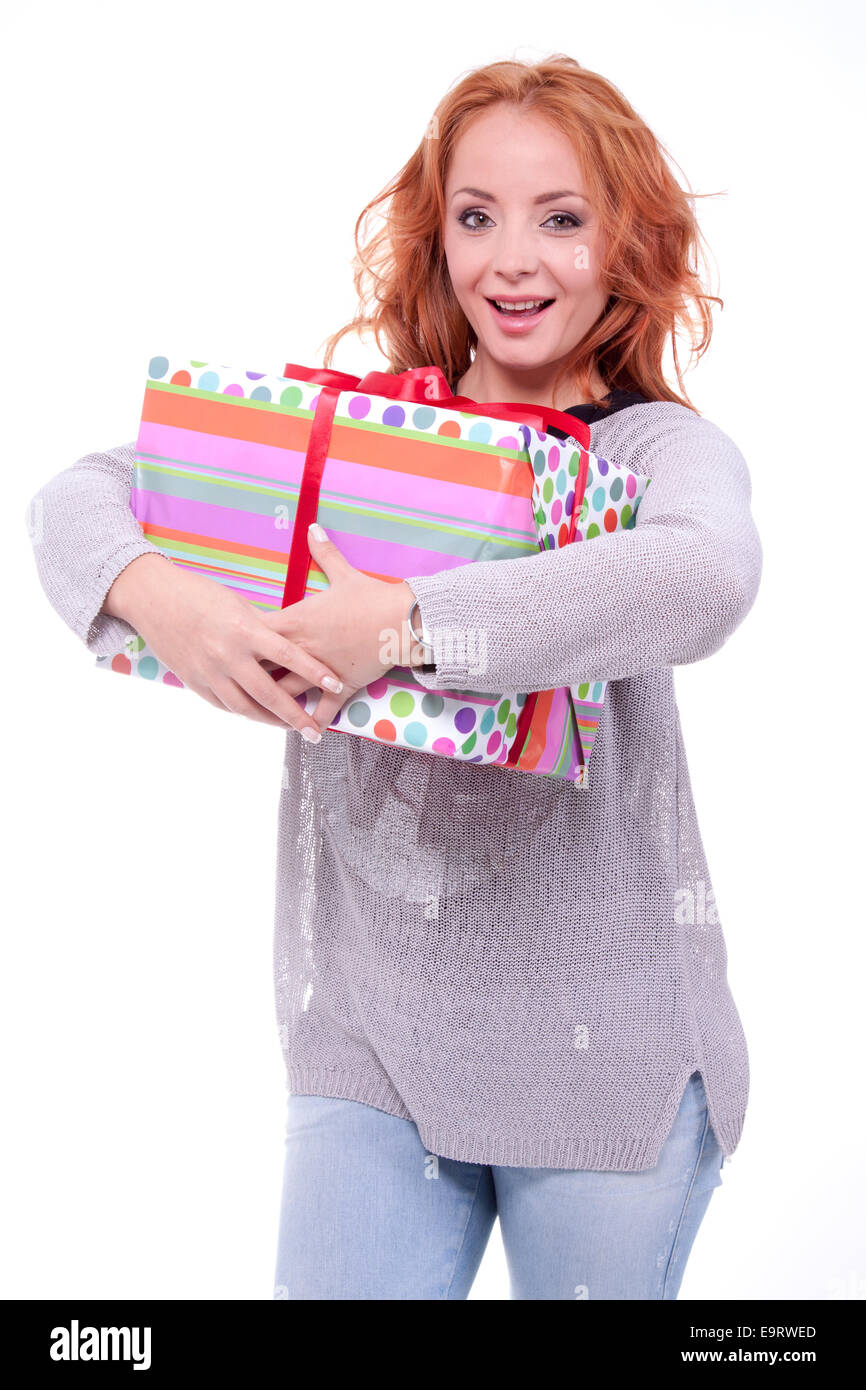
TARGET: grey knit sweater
(528,969)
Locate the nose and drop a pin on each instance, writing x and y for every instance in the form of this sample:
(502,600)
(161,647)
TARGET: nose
(514,251)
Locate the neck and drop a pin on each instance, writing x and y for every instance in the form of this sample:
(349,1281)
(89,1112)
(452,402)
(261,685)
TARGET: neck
(486,380)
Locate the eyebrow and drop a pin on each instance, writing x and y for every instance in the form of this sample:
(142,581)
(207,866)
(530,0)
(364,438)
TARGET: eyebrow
(542,197)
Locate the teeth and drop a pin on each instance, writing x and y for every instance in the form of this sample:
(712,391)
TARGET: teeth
(520,305)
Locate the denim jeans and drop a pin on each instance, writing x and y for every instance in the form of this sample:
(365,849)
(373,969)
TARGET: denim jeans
(368,1213)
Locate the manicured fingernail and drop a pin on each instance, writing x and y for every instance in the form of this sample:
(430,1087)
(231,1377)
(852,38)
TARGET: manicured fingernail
(316,531)
(311,735)
(332,684)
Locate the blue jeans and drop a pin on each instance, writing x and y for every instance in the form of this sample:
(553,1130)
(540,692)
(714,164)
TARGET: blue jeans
(368,1213)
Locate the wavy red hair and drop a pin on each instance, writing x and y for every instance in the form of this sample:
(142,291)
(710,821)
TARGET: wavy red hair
(650,269)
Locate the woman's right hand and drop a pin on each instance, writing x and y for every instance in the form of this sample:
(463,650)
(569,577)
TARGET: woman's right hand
(215,641)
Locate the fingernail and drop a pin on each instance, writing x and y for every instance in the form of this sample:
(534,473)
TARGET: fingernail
(316,531)
(311,735)
(332,684)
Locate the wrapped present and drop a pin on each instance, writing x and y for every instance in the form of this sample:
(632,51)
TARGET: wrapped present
(231,466)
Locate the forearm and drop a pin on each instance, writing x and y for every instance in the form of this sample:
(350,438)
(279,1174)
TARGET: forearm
(596,610)
(138,585)
(667,592)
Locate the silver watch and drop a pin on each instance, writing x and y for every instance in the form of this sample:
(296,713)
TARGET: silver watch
(428,668)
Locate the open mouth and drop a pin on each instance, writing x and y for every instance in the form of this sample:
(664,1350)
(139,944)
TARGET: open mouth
(523,309)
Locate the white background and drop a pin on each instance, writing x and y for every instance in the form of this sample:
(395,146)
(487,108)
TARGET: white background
(185,178)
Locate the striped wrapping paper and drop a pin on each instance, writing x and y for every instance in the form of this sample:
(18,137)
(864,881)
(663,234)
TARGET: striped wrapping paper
(407,488)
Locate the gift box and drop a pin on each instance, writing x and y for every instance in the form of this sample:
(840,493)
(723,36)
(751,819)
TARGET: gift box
(406,478)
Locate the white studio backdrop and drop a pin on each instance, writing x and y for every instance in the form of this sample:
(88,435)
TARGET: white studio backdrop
(186,178)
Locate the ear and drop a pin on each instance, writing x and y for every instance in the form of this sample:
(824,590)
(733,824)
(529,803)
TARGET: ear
(326,555)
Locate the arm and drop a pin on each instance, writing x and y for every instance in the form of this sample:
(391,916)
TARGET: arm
(668,592)
(84,535)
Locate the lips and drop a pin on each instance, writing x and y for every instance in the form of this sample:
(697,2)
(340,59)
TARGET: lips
(513,324)
(519,313)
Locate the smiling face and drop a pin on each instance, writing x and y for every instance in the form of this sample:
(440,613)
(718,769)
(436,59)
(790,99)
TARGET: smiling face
(518,229)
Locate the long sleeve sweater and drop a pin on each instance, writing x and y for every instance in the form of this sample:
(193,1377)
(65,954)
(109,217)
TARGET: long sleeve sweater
(528,969)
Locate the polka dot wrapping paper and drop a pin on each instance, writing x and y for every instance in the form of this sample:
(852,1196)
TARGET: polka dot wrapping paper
(408,487)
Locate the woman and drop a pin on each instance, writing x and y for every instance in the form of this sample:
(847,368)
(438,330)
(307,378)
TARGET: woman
(498,994)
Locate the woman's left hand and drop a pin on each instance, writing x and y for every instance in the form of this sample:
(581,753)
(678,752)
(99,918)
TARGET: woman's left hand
(357,626)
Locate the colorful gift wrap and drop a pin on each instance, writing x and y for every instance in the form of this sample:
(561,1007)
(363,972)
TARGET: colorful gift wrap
(405,478)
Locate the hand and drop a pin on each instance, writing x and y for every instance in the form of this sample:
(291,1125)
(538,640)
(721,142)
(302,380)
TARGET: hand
(327,705)
(215,641)
(357,626)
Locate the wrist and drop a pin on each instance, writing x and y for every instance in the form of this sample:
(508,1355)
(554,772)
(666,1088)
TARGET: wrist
(134,587)
(412,651)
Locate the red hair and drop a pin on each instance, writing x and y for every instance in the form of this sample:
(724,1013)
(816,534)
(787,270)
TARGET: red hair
(651,236)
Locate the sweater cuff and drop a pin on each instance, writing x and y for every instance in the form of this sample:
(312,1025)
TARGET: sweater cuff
(459,654)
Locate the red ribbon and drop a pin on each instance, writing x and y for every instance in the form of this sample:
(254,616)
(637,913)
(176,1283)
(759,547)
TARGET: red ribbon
(427,386)
(308,495)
